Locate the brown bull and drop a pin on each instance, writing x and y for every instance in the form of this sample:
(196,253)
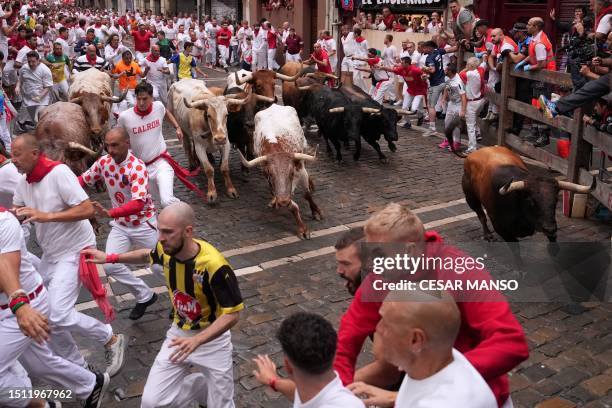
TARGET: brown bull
(92,91)
(64,135)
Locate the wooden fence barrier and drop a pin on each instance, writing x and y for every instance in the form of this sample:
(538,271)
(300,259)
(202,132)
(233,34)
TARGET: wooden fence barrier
(583,138)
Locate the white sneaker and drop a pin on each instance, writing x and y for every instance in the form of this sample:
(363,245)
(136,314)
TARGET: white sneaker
(115,355)
(470,150)
(398,103)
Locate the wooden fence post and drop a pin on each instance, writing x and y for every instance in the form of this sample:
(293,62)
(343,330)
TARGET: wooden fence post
(580,153)
(508,90)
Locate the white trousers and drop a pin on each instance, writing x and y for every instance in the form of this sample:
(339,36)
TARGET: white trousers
(223,54)
(391,91)
(260,59)
(346,65)
(292,57)
(212,53)
(21,355)
(5,134)
(128,103)
(452,110)
(412,102)
(272,64)
(492,107)
(358,76)
(471,113)
(378,92)
(121,239)
(174,385)
(62,281)
(161,182)
(61,90)
(160,91)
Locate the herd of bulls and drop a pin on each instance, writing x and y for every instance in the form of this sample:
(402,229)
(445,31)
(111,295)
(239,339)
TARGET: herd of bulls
(245,114)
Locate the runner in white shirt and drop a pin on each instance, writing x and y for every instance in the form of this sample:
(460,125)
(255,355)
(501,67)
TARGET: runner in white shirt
(383,80)
(24,299)
(348,46)
(133,220)
(144,125)
(307,334)
(329,45)
(473,77)
(361,51)
(456,103)
(181,38)
(113,50)
(260,48)
(170,31)
(157,73)
(51,198)
(437,375)
(390,57)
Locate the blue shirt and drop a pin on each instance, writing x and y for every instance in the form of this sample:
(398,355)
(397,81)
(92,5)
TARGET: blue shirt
(434,59)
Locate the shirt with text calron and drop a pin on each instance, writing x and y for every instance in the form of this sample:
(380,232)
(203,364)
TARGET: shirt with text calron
(146,137)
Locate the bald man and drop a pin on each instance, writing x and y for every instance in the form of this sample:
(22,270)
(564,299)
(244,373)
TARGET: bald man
(418,331)
(206,302)
(89,60)
(133,218)
(157,72)
(51,198)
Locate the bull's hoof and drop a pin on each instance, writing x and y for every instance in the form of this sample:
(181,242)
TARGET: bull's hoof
(304,234)
(317,215)
(392,147)
(212,197)
(272,203)
(232,193)
(488,237)
(384,160)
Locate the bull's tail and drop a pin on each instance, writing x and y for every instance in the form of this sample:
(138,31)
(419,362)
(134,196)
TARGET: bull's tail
(448,132)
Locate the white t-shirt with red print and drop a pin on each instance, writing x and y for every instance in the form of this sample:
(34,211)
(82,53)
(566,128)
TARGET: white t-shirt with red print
(146,138)
(125,182)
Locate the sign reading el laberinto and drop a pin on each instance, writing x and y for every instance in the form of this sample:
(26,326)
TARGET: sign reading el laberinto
(403,3)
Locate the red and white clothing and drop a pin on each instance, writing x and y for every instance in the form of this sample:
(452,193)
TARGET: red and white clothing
(157,78)
(540,49)
(390,58)
(61,243)
(361,50)
(272,39)
(494,77)
(348,46)
(329,45)
(474,91)
(133,212)
(383,82)
(415,88)
(224,44)
(148,144)
(20,355)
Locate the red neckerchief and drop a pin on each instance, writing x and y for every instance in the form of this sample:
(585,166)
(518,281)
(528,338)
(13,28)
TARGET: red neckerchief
(256,32)
(42,168)
(326,37)
(150,58)
(98,25)
(601,14)
(91,61)
(2,159)
(359,39)
(144,113)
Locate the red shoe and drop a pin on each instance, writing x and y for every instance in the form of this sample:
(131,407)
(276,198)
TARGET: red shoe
(443,145)
(456,146)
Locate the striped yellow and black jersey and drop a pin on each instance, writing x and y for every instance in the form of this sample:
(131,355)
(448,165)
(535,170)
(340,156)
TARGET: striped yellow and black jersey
(202,288)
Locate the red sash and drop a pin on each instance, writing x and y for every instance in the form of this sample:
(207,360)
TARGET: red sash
(181,173)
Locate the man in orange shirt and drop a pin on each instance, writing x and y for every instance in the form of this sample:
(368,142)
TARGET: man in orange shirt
(126,72)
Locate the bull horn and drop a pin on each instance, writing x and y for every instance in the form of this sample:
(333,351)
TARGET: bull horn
(305,88)
(77,100)
(264,98)
(244,80)
(303,156)
(310,75)
(405,112)
(512,186)
(254,162)
(80,147)
(290,78)
(339,109)
(238,101)
(370,110)
(577,188)
(195,104)
(114,99)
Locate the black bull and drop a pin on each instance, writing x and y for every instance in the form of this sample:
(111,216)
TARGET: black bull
(347,113)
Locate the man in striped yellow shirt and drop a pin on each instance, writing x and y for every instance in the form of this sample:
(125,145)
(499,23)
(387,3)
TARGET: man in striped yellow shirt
(206,302)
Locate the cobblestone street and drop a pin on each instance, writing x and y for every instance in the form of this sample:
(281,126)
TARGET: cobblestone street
(570,360)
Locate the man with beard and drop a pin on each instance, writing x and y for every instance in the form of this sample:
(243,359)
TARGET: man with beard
(348,257)
(206,301)
(488,328)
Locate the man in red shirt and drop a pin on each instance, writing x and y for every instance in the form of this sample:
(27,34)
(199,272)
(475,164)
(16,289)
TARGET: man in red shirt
(141,42)
(223,42)
(388,18)
(272,39)
(490,337)
(294,46)
(320,57)
(416,86)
